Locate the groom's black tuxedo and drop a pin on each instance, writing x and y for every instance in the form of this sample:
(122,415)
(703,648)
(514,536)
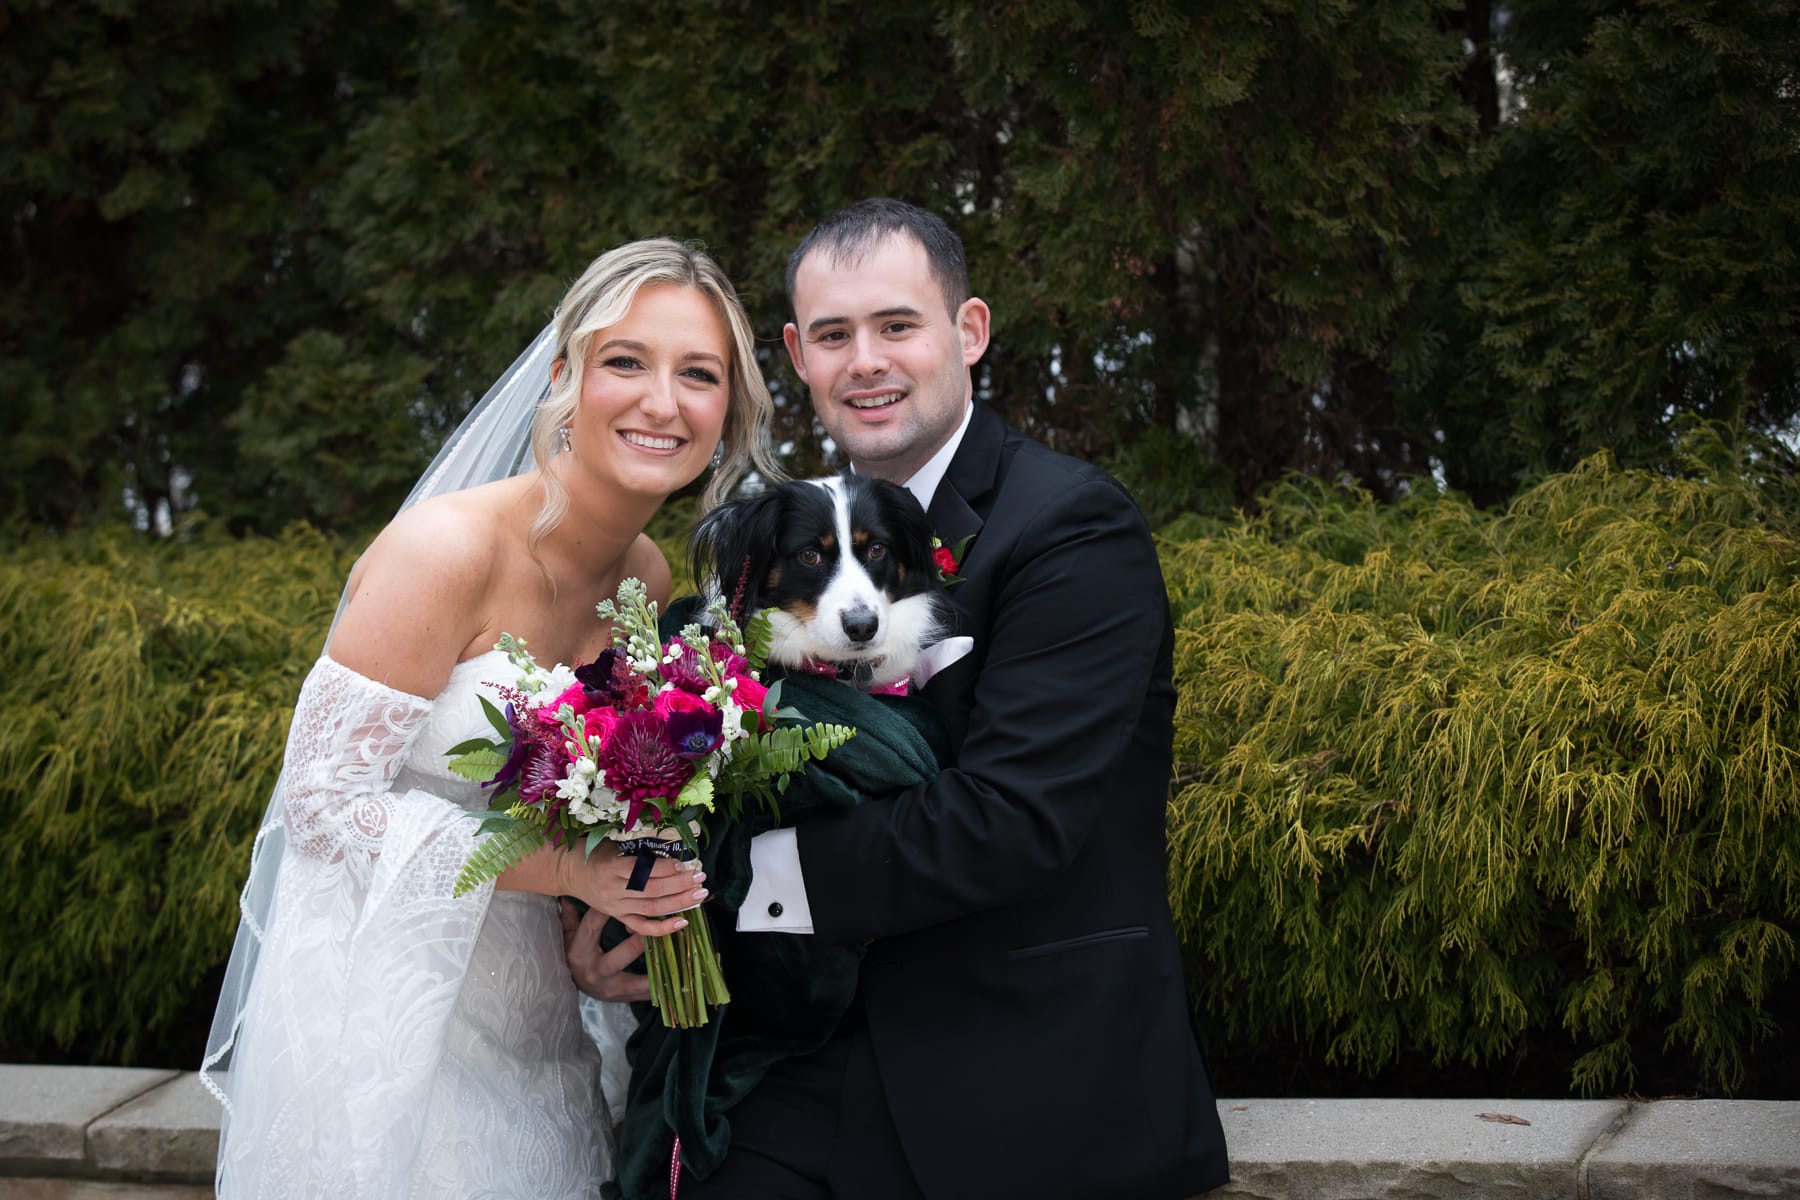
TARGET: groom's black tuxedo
(1023,991)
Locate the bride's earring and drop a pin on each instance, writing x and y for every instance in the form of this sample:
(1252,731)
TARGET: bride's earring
(718,455)
(563,433)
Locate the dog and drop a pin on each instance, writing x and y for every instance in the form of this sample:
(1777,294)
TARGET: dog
(844,566)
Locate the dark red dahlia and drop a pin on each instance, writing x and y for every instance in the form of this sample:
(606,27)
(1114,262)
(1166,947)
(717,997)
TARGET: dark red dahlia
(639,762)
(685,672)
(730,662)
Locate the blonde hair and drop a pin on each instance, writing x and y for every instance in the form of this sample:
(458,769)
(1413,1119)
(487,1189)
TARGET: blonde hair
(601,298)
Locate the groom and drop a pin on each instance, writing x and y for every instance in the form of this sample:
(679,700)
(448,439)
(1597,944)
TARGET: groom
(1022,1027)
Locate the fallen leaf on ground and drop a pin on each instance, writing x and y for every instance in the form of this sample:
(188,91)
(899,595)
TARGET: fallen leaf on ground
(1504,1118)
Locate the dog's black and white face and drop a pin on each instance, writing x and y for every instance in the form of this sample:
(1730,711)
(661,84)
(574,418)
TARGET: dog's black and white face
(844,564)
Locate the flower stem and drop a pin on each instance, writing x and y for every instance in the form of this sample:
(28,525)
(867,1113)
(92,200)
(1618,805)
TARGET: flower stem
(685,976)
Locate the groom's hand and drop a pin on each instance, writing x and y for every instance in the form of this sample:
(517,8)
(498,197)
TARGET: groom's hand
(601,973)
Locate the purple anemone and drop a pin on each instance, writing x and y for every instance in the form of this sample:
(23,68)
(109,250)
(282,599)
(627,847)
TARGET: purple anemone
(694,735)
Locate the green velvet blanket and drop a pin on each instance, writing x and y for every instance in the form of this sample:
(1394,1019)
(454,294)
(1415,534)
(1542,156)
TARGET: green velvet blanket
(787,991)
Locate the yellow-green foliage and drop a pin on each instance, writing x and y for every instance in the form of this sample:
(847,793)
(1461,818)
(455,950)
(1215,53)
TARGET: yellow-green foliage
(145,704)
(1448,779)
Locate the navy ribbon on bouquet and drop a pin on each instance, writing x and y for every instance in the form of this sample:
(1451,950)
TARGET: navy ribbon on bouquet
(647,850)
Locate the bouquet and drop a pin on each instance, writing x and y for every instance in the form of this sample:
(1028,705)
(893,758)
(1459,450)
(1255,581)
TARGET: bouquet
(635,747)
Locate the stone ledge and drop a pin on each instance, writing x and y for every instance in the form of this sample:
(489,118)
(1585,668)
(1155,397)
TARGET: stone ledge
(1714,1148)
(1351,1149)
(91,1189)
(97,1133)
(171,1131)
(45,1113)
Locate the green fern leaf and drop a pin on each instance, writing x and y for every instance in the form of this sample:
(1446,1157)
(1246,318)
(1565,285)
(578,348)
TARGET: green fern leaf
(478,765)
(758,632)
(495,853)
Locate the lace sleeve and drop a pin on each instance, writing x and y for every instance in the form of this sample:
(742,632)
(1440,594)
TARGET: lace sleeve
(349,736)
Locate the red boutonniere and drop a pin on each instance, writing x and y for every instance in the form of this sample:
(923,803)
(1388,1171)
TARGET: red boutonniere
(948,559)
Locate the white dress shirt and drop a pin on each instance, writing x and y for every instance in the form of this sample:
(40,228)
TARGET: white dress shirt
(776,902)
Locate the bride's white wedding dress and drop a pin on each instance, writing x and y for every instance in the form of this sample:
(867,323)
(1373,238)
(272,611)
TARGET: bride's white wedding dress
(397,1042)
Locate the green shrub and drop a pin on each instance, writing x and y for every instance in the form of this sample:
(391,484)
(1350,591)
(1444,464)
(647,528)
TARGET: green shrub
(148,688)
(148,691)
(1453,785)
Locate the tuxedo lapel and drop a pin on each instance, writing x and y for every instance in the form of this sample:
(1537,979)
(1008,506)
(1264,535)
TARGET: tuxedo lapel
(958,510)
(956,506)
(951,517)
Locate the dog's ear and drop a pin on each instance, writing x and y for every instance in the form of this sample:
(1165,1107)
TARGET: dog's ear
(911,527)
(733,543)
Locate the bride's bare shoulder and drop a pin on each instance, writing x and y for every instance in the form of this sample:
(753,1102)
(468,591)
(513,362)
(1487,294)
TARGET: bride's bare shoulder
(415,597)
(453,540)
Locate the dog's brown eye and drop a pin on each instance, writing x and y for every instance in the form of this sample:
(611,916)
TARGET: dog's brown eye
(876,550)
(810,557)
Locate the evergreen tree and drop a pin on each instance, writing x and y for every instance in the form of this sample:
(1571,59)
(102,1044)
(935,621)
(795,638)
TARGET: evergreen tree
(1634,260)
(262,259)
(159,167)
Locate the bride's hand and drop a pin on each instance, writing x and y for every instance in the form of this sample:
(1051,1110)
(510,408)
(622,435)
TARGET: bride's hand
(599,879)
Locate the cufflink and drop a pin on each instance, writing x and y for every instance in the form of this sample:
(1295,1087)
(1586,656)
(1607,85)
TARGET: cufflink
(775,908)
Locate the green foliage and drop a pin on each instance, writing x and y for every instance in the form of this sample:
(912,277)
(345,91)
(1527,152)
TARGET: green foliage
(1169,475)
(1453,784)
(783,752)
(263,258)
(142,725)
(1631,259)
(506,838)
(161,172)
(1458,786)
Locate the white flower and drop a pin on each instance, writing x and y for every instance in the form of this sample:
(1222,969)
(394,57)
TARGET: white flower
(605,803)
(584,812)
(733,714)
(587,769)
(572,787)
(553,682)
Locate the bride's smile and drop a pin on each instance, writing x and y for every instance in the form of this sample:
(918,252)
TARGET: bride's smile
(654,392)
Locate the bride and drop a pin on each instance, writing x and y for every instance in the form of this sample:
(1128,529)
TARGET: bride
(376,1037)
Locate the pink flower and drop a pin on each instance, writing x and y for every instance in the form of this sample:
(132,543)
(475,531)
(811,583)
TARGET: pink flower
(675,700)
(749,694)
(599,721)
(575,696)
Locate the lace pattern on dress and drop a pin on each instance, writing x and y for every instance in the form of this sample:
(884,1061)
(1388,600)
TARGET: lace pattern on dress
(395,1040)
(345,746)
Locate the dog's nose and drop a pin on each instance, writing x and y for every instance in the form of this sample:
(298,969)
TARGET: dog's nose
(860,624)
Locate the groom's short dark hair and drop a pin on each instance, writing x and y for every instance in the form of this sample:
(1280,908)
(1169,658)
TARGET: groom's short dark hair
(850,233)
